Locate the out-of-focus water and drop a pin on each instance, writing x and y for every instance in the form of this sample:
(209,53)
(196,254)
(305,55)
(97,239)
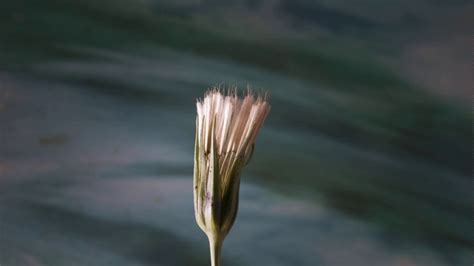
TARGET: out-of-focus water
(97,138)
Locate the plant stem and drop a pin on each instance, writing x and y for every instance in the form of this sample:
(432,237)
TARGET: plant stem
(215,248)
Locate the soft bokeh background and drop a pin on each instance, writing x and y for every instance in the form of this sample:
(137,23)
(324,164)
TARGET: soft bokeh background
(365,158)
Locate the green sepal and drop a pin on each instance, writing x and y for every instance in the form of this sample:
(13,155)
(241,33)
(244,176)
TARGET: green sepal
(197,181)
(215,187)
(230,200)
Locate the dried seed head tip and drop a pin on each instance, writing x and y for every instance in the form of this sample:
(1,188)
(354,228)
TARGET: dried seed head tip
(235,121)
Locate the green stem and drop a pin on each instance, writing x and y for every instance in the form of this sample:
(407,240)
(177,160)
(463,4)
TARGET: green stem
(215,248)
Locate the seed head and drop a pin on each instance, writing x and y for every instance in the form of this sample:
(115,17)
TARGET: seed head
(226,130)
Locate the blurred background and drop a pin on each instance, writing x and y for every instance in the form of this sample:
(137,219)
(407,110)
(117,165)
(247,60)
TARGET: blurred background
(365,158)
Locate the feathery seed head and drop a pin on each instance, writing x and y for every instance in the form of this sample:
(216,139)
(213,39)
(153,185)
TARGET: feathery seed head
(226,130)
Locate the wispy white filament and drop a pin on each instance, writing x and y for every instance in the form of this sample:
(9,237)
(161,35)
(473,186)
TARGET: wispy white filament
(235,122)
